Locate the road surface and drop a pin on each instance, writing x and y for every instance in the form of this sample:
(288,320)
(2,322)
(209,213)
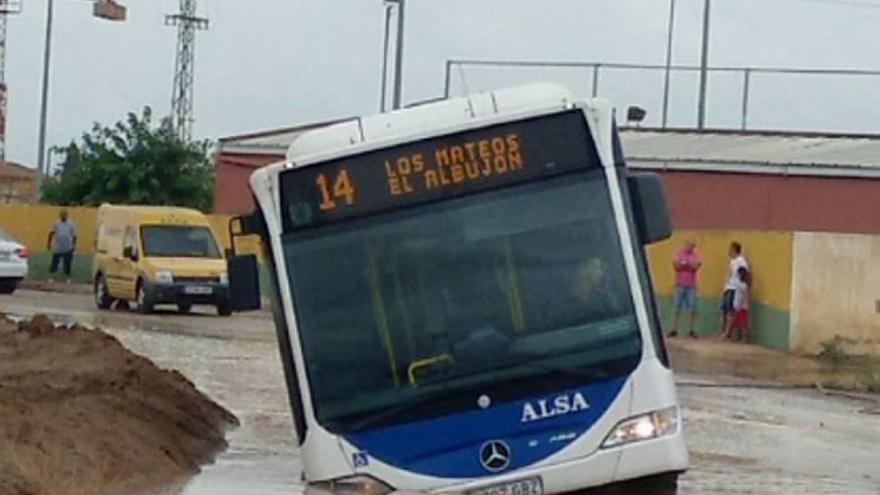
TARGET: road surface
(202,322)
(742,439)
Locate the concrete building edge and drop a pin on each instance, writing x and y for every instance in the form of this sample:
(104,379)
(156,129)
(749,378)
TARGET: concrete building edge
(794,306)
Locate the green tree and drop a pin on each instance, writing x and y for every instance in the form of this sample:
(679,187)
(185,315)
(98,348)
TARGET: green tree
(133,162)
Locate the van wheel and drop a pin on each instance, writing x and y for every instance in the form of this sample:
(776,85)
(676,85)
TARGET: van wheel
(8,286)
(184,308)
(224,309)
(102,294)
(144,299)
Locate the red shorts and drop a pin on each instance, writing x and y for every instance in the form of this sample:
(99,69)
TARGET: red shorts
(741,318)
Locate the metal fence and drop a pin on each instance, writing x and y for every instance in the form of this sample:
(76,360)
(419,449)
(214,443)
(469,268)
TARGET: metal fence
(594,72)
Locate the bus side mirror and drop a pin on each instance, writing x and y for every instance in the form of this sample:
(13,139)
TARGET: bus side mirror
(650,209)
(244,282)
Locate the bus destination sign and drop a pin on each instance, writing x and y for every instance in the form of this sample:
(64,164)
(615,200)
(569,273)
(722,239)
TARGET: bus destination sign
(437,168)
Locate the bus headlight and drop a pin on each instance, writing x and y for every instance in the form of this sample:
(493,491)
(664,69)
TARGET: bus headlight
(643,427)
(355,485)
(164,277)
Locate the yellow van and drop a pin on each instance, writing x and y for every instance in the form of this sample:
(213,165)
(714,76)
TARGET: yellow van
(158,255)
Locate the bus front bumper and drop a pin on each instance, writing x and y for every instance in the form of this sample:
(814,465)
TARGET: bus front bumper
(661,456)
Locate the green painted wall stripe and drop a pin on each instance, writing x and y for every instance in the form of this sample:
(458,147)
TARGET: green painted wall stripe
(769,325)
(38,267)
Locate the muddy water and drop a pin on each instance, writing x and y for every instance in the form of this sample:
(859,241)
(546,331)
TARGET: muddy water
(246,377)
(742,440)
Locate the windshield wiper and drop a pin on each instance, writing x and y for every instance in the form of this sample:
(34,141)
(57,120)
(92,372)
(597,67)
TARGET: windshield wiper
(589,373)
(384,414)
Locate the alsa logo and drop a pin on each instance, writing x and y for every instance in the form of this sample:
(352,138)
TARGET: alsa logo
(558,406)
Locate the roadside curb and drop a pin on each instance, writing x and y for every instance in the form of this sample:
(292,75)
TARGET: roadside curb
(60,287)
(82,289)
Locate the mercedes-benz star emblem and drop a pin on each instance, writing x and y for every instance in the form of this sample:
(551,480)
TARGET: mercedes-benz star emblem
(495,455)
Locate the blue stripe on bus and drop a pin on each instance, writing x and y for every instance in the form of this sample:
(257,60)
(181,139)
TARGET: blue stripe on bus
(449,446)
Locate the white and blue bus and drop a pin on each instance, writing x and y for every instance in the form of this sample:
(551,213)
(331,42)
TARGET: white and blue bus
(463,302)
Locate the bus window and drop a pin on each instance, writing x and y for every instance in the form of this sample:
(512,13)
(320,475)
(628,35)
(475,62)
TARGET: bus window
(463,288)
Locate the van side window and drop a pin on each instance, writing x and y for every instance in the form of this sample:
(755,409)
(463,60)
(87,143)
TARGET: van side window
(99,234)
(129,240)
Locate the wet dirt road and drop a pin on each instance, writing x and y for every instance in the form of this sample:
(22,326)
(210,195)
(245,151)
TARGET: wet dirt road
(742,440)
(202,322)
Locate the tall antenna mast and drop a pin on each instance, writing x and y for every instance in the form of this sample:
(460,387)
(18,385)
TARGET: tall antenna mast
(7,7)
(184,72)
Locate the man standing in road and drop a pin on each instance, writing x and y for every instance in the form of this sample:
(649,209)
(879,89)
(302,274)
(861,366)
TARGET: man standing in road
(737,261)
(686,264)
(62,243)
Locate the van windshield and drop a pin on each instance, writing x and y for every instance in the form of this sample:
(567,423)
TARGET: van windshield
(179,241)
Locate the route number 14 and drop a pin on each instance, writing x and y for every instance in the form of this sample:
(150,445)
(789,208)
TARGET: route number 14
(341,189)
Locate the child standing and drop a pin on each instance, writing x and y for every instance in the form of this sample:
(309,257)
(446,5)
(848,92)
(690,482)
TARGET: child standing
(740,327)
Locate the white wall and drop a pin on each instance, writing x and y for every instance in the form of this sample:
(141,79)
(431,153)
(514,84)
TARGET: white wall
(835,291)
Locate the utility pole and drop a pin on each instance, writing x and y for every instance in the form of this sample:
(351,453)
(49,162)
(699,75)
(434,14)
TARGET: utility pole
(668,62)
(385,44)
(704,70)
(44,95)
(398,56)
(107,10)
(184,72)
(7,7)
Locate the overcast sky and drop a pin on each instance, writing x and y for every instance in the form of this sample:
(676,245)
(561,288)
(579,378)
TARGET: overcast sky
(272,63)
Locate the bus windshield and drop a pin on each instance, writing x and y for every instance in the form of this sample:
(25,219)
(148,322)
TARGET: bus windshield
(420,311)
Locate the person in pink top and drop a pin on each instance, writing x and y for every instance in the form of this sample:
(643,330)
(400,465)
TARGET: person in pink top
(686,264)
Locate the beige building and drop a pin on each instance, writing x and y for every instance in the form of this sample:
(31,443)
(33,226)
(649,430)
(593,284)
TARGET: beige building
(18,184)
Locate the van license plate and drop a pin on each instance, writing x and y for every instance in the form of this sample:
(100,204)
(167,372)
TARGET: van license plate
(525,486)
(197,290)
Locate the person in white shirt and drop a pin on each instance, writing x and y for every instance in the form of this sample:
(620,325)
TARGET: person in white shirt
(737,261)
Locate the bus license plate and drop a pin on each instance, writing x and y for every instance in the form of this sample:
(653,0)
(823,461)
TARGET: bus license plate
(196,290)
(525,486)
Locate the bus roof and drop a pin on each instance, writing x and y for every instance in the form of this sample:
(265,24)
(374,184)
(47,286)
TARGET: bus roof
(428,117)
(428,120)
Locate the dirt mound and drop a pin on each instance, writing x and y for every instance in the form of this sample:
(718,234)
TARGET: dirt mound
(80,414)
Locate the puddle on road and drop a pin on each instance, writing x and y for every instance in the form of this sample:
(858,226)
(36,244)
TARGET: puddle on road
(773,441)
(246,378)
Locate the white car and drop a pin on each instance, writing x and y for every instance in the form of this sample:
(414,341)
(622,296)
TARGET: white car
(13,263)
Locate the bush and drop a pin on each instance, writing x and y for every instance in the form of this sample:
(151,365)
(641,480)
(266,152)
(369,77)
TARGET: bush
(133,162)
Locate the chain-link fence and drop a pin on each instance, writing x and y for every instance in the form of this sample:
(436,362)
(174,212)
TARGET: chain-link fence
(738,97)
